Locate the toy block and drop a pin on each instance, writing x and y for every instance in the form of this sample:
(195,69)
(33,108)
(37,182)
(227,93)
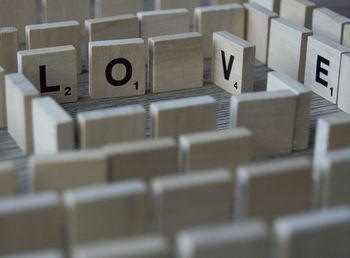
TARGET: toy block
(272,5)
(190,5)
(346,35)
(8,49)
(117,68)
(3,120)
(8,179)
(105,8)
(53,71)
(343,88)
(298,11)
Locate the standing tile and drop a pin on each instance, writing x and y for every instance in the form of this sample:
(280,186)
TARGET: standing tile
(343,87)
(3,120)
(105,8)
(8,49)
(8,179)
(299,11)
(272,5)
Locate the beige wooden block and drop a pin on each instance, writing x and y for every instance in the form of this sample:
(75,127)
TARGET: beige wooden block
(31,223)
(233,63)
(8,179)
(271,118)
(117,68)
(99,213)
(8,49)
(188,115)
(105,8)
(142,159)
(37,254)
(330,24)
(216,2)
(19,117)
(53,129)
(216,149)
(113,125)
(343,87)
(272,5)
(258,29)
(18,14)
(209,19)
(298,11)
(55,34)
(67,170)
(323,63)
(346,35)
(287,48)
(175,62)
(174,4)
(248,240)
(113,27)
(273,189)
(53,71)
(281,81)
(191,200)
(3,120)
(313,235)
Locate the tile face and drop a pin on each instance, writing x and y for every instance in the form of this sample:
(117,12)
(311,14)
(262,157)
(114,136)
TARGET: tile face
(271,118)
(104,8)
(8,49)
(343,87)
(8,179)
(175,62)
(3,120)
(209,19)
(233,63)
(53,71)
(299,11)
(142,159)
(313,235)
(290,59)
(216,149)
(272,5)
(173,4)
(323,63)
(19,117)
(268,190)
(57,133)
(117,68)
(112,125)
(346,35)
(175,117)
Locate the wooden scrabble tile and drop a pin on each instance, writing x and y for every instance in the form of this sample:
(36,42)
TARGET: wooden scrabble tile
(142,159)
(178,200)
(31,223)
(343,89)
(272,5)
(53,71)
(8,179)
(281,81)
(113,125)
(298,11)
(104,8)
(313,235)
(233,63)
(175,117)
(209,19)
(175,62)
(323,62)
(54,253)
(270,116)
(113,27)
(105,57)
(104,212)
(67,170)
(8,49)
(268,190)
(346,35)
(258,29)
(57,132)
(291,59)
(248,239)
(216,149)
(19,117)
(3,120)
(217,2)
(55,34)
(171,4)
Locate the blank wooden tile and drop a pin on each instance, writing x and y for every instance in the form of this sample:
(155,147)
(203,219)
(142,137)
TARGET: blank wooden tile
(104,8)
(272,5)
(8,179)
(117,68)
(313,235)
(343,88)
(281,81)
(175,62)
(191,200)
(216,2)
(113,27)
(68,170)
(270,116)
(3,120)
(31,223)
(298,11)
(38,254)
(175,117)
(346,35)
(216,149)
(173,4)
(209,19)
(290,59)
(19,117)
(99,213)
(233,63)
(249,240)
(113,125)
(258,29)
(55,34)
(142,159)
(53,129)
(53,71)
(8,49)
